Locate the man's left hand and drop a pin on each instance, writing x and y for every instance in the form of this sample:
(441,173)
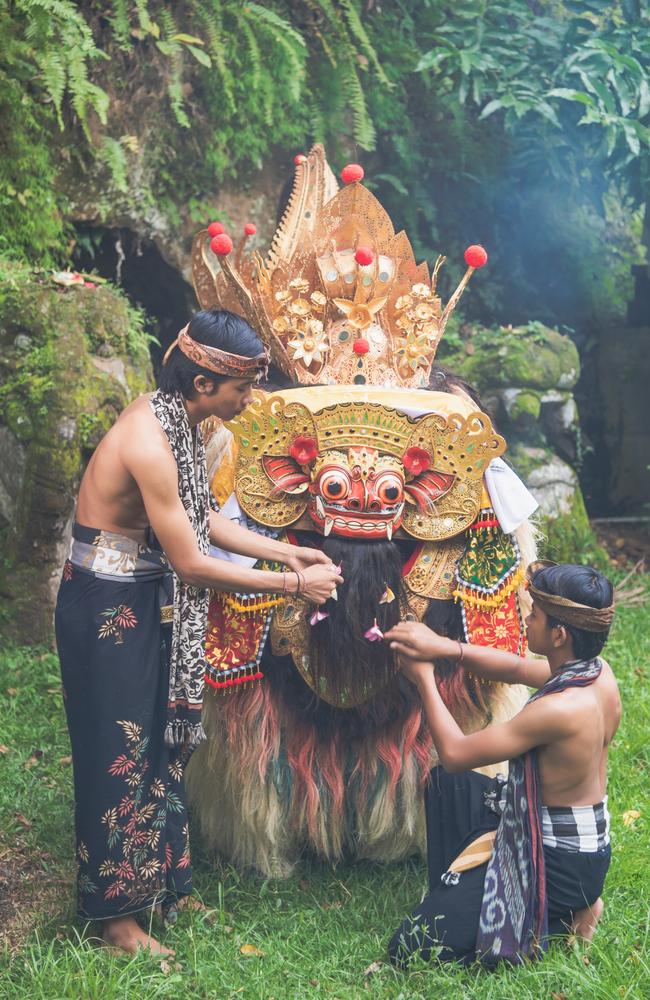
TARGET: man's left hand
(418,671)
(303,556)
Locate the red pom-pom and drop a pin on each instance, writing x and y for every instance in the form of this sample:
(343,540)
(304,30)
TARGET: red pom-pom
(250,228)
(300,158)
(364,256)
(476,256)
(351,173)
(221,244)
(216,229)
(361,346)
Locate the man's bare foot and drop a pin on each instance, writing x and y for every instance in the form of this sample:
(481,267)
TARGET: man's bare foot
(584,921)
(126,934)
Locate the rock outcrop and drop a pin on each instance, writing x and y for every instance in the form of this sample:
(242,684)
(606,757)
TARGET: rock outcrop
(70,359)
(526,376)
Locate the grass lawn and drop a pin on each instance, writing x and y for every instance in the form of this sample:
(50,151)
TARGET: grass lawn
(314,935)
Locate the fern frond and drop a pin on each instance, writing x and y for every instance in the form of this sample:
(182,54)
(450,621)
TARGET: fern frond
(168,23)
(113,157)
(253,51)
(120,23)
(212,29)
(284,29)
(267,92)
(358,32)
(364,130)
(54,76)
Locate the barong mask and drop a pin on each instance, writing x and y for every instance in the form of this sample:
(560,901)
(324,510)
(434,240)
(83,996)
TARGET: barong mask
(363,468)
(358,449)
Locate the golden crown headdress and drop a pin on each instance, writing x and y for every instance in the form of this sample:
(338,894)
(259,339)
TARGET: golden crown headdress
(340,298)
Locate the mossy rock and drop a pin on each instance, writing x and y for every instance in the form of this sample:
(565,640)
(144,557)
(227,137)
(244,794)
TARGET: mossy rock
(562,517)
(58,397)
(531,357)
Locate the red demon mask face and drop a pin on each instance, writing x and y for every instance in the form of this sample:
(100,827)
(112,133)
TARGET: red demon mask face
(358,492)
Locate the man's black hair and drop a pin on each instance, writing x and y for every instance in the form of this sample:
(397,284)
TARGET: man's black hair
(214,328)
(584,585)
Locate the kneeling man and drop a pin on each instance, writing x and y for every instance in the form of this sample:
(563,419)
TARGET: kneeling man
(512,862)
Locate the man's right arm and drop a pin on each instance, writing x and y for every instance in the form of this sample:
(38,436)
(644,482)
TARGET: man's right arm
(416,641)
(156,475)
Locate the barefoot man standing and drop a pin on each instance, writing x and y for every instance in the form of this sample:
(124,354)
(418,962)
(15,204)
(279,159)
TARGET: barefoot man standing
(511,863)
(131,620)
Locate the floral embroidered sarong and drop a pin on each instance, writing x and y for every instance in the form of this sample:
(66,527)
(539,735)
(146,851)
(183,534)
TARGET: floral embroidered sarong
(130,814)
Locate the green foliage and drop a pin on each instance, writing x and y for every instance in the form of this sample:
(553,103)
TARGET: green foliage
(511,59)
(239,79)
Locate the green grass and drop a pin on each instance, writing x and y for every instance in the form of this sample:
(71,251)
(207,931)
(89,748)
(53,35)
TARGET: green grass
(321,929)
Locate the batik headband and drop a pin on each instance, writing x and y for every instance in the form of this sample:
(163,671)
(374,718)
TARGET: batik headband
(219,362)
(565,611)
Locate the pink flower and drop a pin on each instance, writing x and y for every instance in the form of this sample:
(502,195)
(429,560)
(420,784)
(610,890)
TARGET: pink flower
(304,450)
(374,634)
(416,460)
(318,616)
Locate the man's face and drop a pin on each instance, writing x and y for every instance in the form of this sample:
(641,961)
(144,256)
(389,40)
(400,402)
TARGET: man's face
(539,633)
(230,397)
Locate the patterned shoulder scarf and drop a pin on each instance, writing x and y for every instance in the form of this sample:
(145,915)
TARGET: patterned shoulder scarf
(187,662)
(514,919)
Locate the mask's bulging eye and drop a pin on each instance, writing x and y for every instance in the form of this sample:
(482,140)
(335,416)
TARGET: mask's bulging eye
(334,485)
(390,488)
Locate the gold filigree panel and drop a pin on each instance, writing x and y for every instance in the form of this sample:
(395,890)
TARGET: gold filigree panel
(433,574)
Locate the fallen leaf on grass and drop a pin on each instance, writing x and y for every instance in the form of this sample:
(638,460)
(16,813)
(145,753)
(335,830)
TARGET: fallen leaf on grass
(313,982)
(167,967)
(12,692)
(336,905)
(630,816)
(585,959)
(250,949)
(372,968)
(64,761)
(303,884)
(27,823)
(34,759)
(559,996)
(4,749)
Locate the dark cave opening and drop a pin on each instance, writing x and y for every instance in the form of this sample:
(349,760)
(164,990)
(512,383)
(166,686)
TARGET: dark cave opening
(140,270)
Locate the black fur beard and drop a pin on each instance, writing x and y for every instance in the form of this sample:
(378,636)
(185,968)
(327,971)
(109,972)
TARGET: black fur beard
(345,665)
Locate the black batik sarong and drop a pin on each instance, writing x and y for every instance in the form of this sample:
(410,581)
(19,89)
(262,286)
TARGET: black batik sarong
(459,808)
(130,813)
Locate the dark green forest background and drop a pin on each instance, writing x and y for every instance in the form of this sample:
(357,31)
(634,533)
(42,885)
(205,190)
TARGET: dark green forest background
(523,125)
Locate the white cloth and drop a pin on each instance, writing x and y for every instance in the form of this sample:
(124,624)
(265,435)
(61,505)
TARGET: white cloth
(233,512)
(512,502)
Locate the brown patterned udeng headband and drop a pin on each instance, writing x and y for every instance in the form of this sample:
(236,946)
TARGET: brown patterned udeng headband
(219,362)
(566,611)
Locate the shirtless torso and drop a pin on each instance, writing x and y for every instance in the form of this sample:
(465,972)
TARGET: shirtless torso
(110,497)
(571,729)
(573,768)
(131,484)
